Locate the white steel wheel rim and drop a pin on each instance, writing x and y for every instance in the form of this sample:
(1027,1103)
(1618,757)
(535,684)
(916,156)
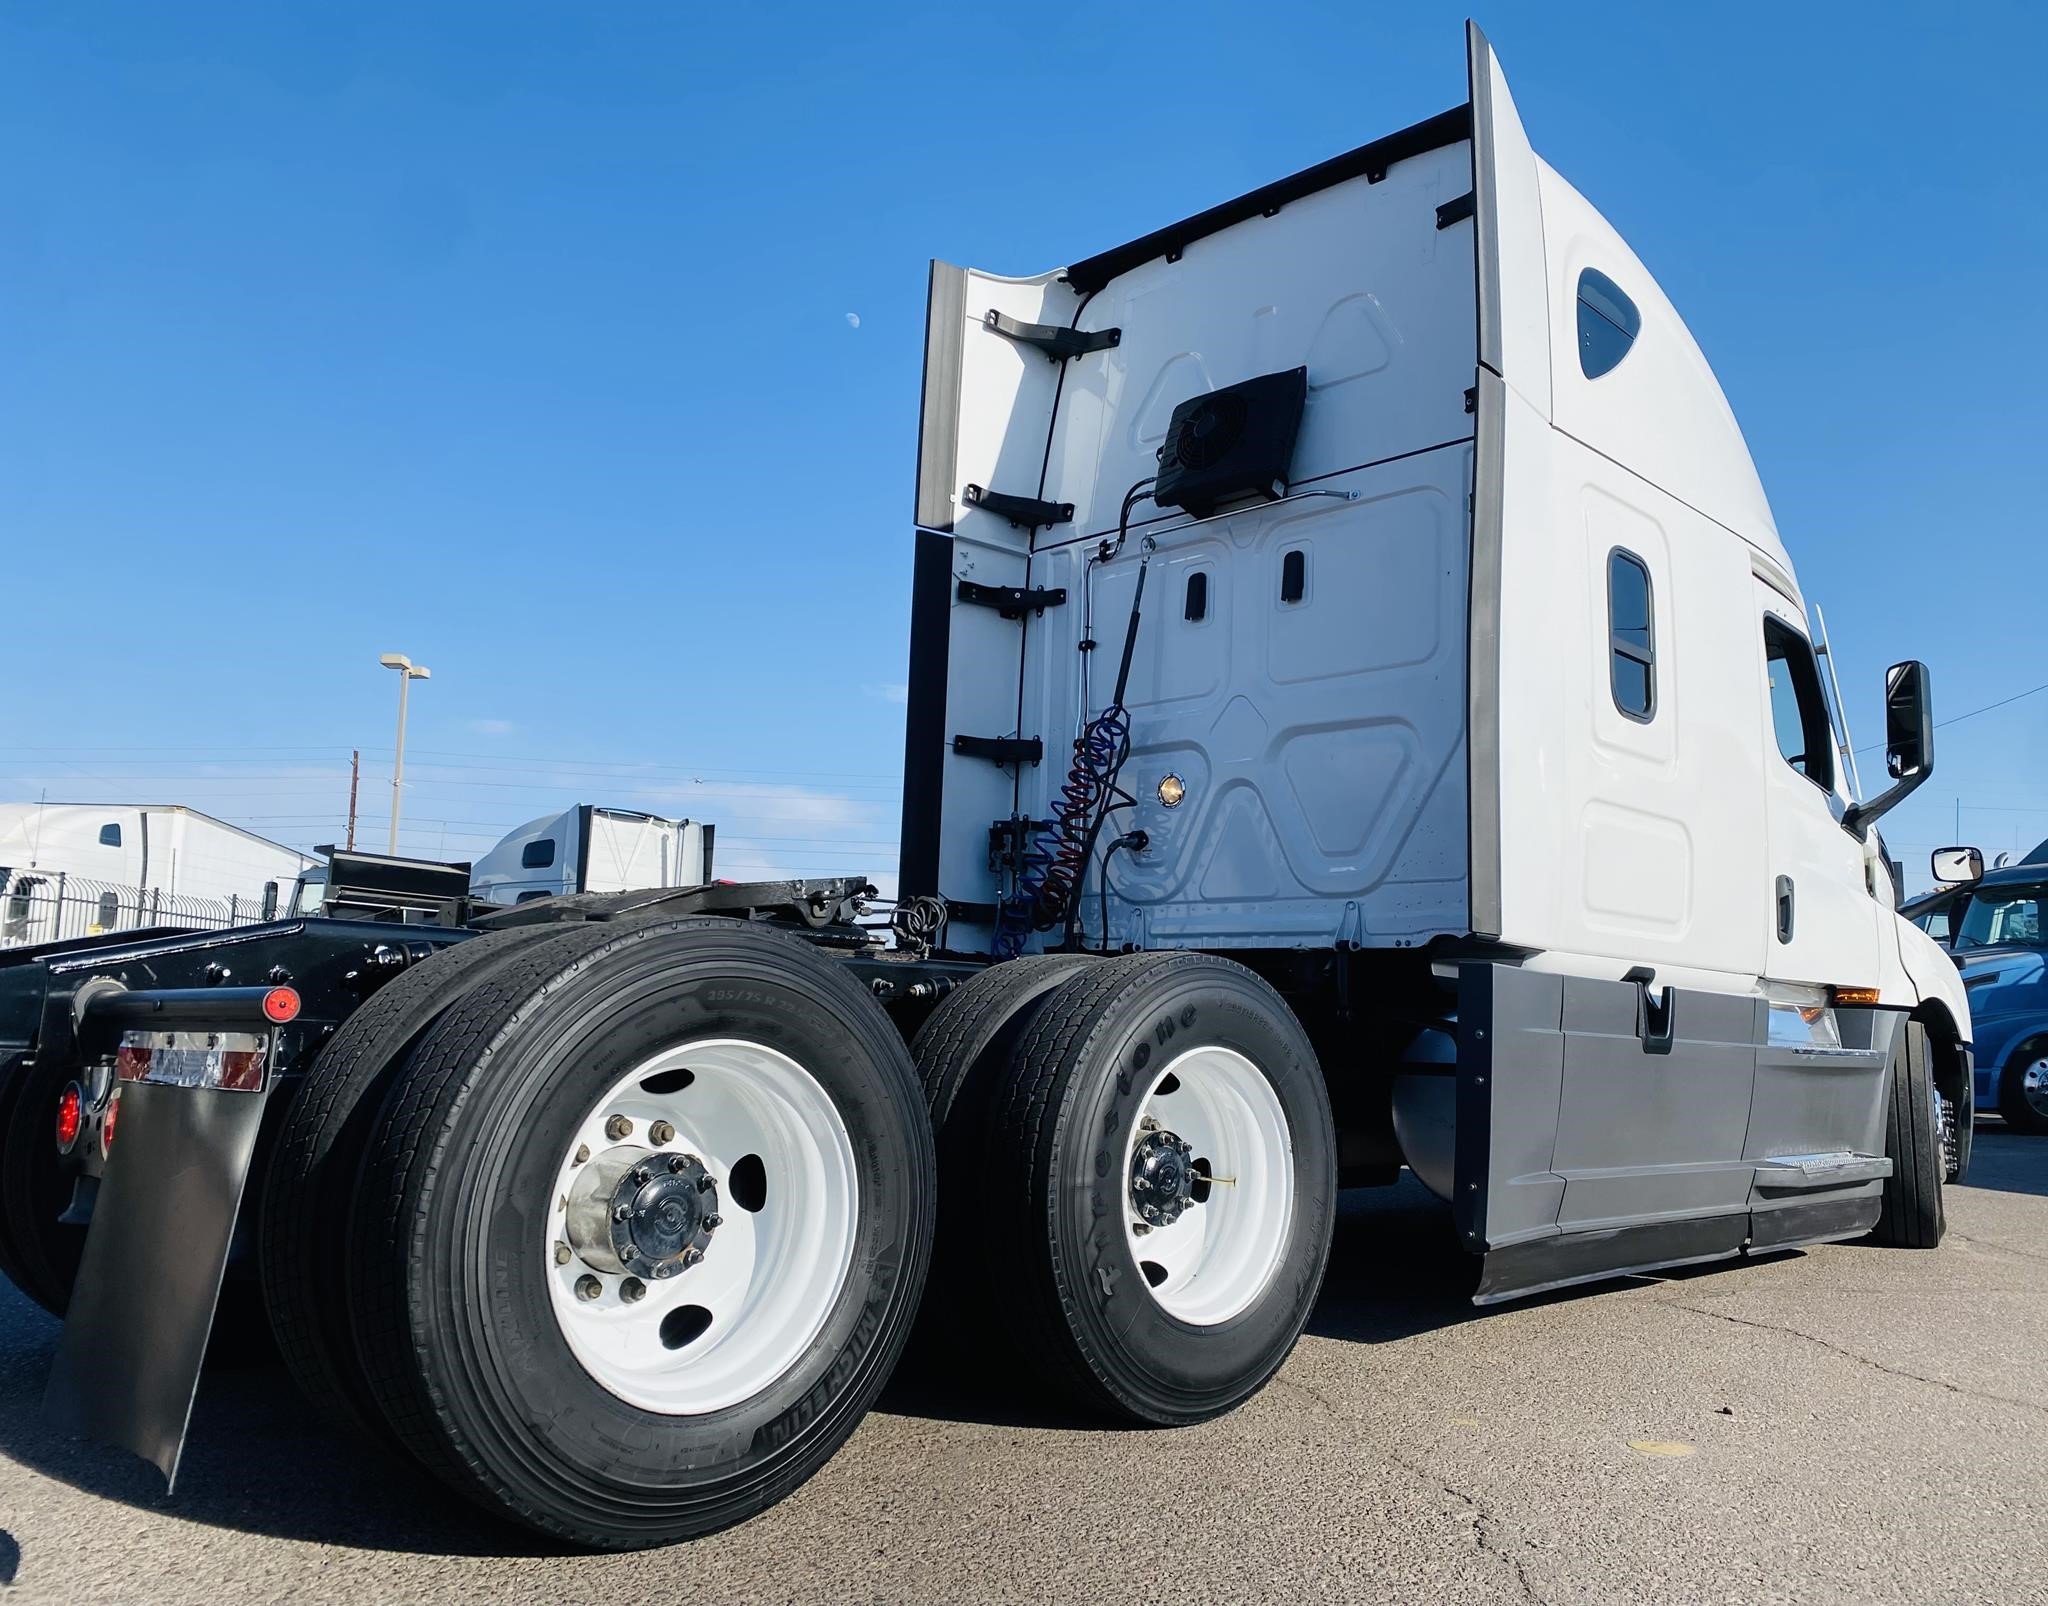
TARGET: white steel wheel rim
(2034,1084)
(768,1278)
(1226,1247)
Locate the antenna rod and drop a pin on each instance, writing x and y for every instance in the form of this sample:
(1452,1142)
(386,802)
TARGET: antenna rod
(1841,708)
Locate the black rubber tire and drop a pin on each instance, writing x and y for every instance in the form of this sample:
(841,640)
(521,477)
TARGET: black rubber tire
(976,1023)
(313,1165)
(1057,1263)
(2012,1099)
(1913,1216)
(42,1254)
(963,1054)
(448,1285)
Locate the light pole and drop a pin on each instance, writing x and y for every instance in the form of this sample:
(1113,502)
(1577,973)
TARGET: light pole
(408,672)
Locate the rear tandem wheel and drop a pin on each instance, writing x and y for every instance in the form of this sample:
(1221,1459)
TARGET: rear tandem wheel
(642,1228)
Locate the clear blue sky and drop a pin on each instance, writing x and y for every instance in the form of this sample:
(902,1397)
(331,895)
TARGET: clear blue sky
(521,339)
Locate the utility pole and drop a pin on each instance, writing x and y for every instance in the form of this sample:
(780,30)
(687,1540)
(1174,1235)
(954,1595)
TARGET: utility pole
(408,672)
(355,776)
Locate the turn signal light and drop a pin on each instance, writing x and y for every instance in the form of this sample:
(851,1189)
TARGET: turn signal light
(1863,996)
(70,1115)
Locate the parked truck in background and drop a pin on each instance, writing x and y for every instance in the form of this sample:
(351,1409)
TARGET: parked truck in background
(1361,716)
(594,849)
(78,869)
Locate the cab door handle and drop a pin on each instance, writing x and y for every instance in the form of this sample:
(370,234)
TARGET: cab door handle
(1784,908)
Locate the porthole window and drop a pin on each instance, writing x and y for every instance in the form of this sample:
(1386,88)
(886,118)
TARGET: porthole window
(1608,323)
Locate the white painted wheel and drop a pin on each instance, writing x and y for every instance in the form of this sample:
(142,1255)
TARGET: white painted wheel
(1209,1189)
(739,1156)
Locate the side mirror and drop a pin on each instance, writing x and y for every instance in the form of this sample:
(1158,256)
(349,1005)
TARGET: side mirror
(1908,742)
(1957,866)
(1908,722)
(270,900)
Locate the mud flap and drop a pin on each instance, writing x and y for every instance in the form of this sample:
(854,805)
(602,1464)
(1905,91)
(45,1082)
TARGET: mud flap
(128,1364)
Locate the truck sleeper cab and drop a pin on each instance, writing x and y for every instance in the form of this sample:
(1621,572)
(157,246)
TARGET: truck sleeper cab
(1488,730)
(1361,716)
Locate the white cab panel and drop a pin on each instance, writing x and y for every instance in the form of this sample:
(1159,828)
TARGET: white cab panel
(1514,321)
(1355,282)
(1625,840)
(1660,410)
(1319,741)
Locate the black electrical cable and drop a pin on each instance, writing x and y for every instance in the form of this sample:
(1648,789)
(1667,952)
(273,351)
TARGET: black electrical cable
(1055,861)
(1117,717)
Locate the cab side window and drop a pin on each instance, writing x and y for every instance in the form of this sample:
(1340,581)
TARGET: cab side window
(1799,712)
(1631,636)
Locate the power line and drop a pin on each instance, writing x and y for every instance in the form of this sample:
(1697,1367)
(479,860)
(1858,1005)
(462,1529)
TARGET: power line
(1972,714)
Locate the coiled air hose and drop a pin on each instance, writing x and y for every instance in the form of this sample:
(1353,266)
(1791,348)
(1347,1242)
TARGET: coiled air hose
(1055,860)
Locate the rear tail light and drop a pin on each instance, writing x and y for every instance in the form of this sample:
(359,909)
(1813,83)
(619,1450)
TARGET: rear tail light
(281,1004)
(234,1062)
(70,1115)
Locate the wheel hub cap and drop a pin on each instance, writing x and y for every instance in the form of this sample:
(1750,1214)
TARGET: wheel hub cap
(1162,1178)
(643,1214)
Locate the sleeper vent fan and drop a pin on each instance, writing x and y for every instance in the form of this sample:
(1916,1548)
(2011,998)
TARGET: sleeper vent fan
(1232,443)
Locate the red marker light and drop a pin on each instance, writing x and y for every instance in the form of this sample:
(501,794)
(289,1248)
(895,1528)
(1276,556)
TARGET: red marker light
(107,1128)
(70,1115)
(281,1004)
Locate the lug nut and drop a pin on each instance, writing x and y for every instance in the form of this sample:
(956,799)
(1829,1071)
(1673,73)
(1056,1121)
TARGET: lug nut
(678,1164)
(692,1255)
(618,1127)
(622,1212)
(665,1269)
(713,1223)
(561,1254)
(632,1289)
(588,1287)
(661,1132)
(705,1184)
(582,1153)
(1147,1124)
(642,1175)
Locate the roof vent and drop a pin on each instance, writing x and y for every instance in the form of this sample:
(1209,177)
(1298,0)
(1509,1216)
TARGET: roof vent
(1232,443)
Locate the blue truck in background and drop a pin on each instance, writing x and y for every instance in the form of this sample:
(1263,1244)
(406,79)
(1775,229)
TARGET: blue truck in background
(1995,923)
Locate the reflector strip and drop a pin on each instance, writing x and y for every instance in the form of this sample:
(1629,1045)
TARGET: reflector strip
(231,1062)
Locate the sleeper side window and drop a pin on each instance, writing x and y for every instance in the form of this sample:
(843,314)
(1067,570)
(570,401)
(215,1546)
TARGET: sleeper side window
(1799,711)
(537,854)
(1608,323)
(1631,636)
(110,835)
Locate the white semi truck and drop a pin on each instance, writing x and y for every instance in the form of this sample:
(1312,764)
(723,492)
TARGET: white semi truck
(1362,715)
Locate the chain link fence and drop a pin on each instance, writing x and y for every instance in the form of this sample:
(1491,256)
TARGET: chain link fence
(38,906)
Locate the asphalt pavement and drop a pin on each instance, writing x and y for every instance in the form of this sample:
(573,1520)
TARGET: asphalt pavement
(1843,1424)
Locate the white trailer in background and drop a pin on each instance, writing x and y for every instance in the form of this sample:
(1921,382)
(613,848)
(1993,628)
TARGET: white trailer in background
(592,849)
(77,869)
